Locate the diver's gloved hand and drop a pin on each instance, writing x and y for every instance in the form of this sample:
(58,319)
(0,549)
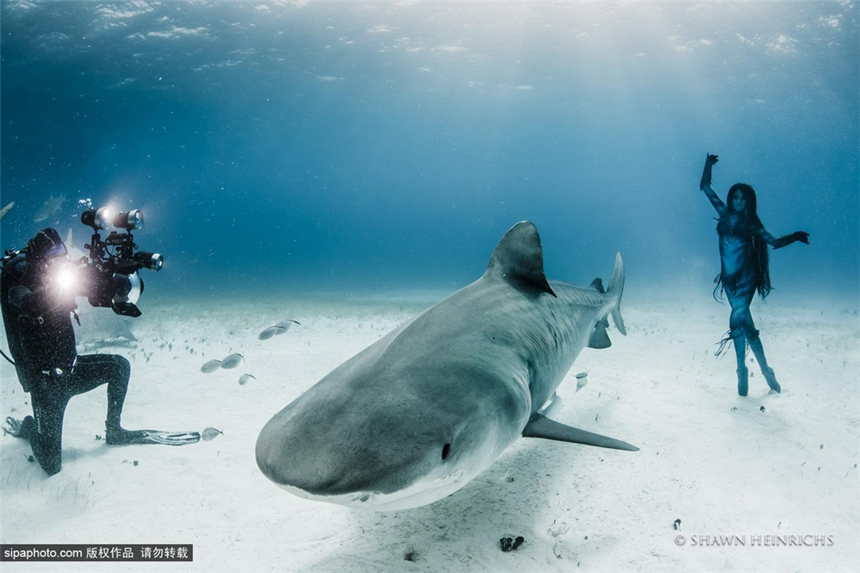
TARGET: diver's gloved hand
(711,159)
(18,428)
(12,427)
(801,236)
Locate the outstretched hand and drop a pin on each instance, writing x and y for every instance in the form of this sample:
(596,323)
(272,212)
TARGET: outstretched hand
(802,236)
(706,172)
(12,427)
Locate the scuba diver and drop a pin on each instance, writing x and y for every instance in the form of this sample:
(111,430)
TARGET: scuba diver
(744,269)
(37,312)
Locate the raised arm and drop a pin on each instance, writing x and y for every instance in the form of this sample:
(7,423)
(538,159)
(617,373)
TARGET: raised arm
(706,187)
(780,242)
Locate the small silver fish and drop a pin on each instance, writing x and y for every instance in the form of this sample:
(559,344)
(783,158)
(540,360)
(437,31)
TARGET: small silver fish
(269,333)
(279,328)
(232,360)
(245,378)
(581,381)
(210,366)
(286,324)
(210,434)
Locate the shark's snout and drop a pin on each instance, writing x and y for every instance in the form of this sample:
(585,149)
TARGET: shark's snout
(344,454)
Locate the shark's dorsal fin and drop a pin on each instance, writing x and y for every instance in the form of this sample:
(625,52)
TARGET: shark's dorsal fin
(542,427)
(598,284)
(518,259)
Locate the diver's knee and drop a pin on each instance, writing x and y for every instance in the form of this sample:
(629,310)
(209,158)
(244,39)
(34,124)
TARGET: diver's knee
(49,458)
(52,468)
(123,368)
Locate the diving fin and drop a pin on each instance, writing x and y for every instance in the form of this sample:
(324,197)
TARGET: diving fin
(542,427)
(154,437)
(172,438)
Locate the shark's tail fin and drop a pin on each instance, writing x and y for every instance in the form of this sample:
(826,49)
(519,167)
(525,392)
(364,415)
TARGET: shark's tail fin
(616,287)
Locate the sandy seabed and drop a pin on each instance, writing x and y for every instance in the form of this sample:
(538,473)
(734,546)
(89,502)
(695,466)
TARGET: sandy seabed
(743,475)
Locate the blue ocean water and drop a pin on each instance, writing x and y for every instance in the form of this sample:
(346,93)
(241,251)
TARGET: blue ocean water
(348,146)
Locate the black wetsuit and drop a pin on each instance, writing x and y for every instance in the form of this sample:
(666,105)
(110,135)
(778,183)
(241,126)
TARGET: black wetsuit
(42,342)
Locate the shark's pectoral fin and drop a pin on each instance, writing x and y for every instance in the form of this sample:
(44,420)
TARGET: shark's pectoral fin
(599,338)
(518,259)
(542,427)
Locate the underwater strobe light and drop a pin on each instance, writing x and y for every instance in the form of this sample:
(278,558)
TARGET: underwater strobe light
(66,278)
(112,274)
(151,261)
(99,219)
(130,221)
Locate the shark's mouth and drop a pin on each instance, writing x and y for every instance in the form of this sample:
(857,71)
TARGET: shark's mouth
(416,495)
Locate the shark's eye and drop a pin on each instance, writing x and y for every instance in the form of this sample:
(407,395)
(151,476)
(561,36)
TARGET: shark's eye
(445,449)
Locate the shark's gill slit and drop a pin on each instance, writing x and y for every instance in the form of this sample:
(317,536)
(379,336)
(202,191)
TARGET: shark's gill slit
(445,450)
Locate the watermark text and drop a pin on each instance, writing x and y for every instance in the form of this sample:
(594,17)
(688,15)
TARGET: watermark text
(756,540)
(106,552)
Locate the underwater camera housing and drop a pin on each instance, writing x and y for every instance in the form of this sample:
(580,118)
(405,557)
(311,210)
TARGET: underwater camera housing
(112,272)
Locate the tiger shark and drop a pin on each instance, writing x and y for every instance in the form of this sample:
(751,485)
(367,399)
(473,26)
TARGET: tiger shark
(415,416)
(49,207)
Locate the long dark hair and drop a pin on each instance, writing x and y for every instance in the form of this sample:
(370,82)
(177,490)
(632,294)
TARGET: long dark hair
(748,225)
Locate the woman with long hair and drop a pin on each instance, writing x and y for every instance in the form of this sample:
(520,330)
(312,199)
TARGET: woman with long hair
(744,268)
